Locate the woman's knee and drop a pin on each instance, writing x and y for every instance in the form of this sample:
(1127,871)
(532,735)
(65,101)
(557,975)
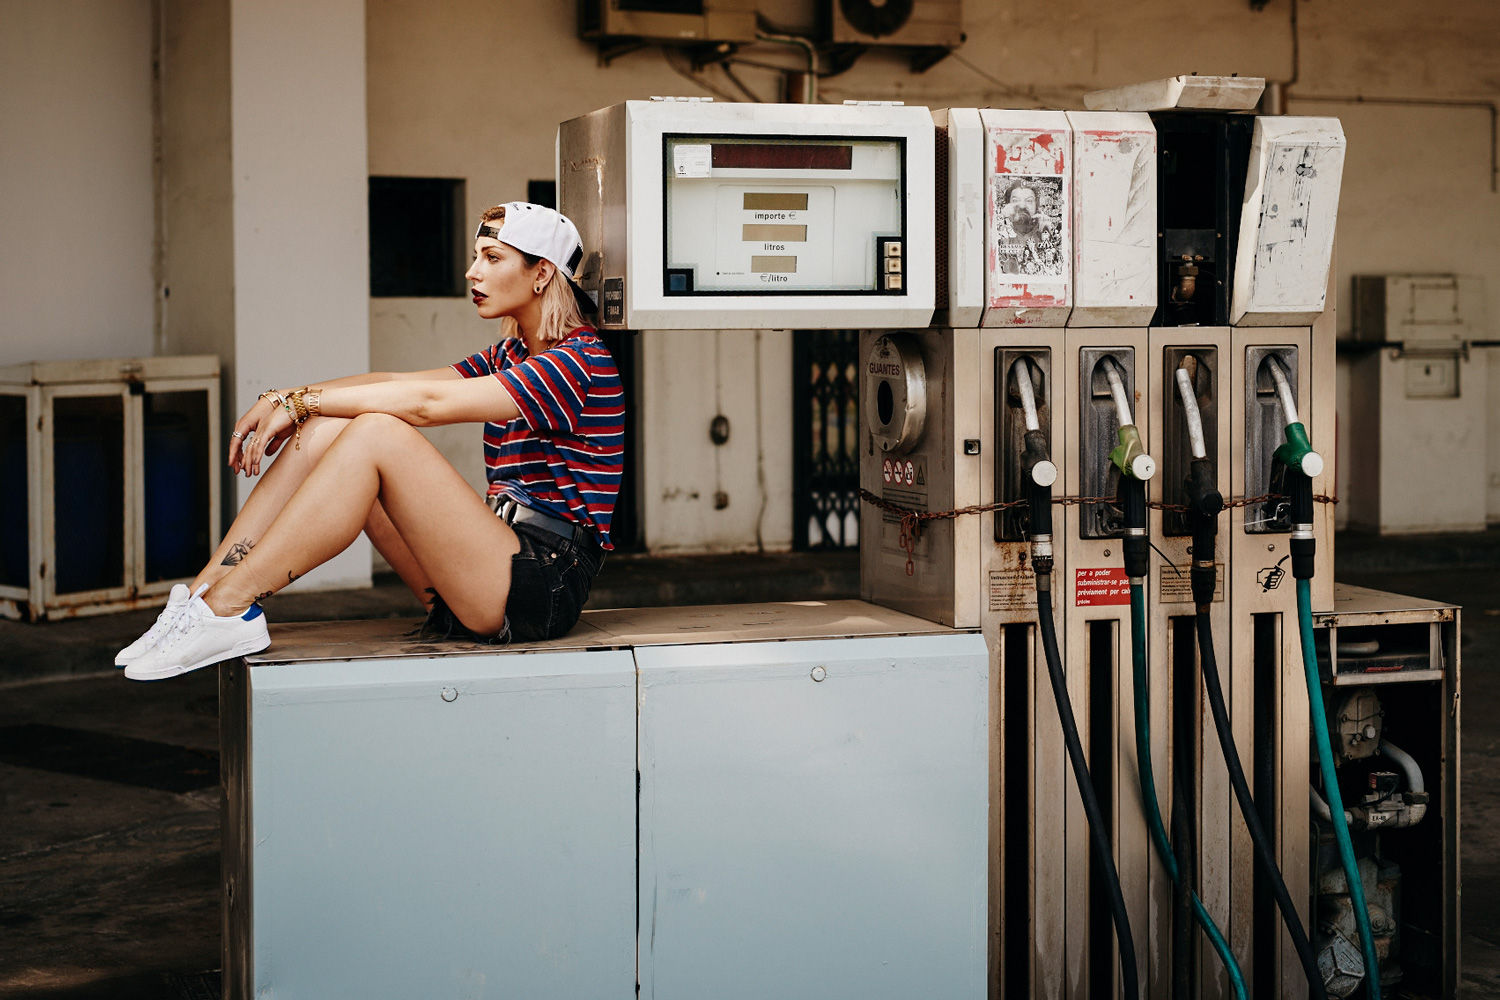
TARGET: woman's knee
(388,430)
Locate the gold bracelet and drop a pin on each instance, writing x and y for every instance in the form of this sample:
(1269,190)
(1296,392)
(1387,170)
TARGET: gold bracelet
(315,402)
(299,407)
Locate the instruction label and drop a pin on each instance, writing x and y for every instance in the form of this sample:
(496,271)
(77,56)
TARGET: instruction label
(1176,589)
(692,161)
(1100,586)
(1012,589)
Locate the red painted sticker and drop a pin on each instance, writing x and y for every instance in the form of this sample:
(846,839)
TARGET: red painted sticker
(1105,585)
(911,474)
(885,470)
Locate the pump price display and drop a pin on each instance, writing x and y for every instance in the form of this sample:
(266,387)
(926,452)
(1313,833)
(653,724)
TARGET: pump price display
(761,214)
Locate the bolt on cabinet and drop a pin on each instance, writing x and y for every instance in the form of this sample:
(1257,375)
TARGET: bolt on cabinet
(109,482)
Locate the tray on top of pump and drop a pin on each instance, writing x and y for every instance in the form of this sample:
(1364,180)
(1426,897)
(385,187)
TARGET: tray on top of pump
(1371,637)
(1363,606)
(620,628)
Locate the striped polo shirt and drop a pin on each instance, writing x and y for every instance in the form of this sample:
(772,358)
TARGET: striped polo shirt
(563,455)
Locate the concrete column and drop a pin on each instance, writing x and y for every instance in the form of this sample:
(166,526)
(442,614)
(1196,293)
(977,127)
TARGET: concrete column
(301,239)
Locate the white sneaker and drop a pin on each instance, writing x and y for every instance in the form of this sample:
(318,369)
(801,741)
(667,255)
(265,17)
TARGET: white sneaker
(199,638)
(176,601)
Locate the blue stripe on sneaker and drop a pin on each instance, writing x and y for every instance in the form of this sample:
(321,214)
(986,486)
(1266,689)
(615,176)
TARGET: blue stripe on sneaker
(253,613)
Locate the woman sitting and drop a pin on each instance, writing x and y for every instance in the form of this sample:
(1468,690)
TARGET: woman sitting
(550,400)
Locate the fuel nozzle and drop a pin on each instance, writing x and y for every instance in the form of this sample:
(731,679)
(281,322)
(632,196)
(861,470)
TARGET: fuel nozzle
(1135,466)
(1040,473)
(1204,501)
(1295,464)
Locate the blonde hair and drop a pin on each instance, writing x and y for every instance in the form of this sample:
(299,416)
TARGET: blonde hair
(560,312)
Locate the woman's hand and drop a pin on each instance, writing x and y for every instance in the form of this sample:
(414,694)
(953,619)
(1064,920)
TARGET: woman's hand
(262,431)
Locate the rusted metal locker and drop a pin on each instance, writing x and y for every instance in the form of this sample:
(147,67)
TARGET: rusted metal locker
(109,482)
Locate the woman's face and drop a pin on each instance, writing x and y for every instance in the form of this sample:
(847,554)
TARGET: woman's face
(500,282)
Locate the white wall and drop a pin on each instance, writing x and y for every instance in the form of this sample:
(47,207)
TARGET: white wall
(76,191)
(301,240)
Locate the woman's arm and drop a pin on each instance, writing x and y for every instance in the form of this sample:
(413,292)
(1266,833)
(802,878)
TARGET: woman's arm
(264,409)
(428,375)
(424,402)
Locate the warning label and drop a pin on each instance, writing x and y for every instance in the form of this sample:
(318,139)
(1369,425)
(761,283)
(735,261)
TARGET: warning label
(1104,585)
(1012,589)
(1179,590)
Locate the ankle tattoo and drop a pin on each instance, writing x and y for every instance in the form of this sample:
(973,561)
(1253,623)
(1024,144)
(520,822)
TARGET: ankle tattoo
(237,553)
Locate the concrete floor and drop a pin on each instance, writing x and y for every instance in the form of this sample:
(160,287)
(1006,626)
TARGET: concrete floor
(109,823)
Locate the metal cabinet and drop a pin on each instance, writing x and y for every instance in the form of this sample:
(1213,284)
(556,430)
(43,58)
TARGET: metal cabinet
(109,482)
(786,800)
(814,818)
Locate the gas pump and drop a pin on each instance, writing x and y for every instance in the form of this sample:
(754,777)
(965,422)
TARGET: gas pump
(1242,206)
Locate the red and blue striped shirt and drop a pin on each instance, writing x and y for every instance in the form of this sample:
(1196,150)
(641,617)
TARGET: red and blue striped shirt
(564,454)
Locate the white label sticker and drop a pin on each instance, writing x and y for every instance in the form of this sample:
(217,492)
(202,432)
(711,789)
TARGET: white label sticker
(692,161)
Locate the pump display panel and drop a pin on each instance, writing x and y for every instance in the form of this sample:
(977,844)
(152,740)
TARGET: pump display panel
(701,216)
(769,215)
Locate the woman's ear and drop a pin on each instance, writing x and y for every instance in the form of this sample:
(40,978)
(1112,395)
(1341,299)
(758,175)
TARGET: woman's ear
(545,269)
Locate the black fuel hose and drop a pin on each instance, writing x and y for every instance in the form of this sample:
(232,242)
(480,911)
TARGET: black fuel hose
(1103,851)
(1246,801)
(1204,504)
(1039,497)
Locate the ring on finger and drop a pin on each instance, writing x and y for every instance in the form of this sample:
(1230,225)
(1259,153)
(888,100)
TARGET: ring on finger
(237,434)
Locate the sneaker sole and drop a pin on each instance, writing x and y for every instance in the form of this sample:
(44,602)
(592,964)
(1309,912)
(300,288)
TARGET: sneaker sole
(243,649)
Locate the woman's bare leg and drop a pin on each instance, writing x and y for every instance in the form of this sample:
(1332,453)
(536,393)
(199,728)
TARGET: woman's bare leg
(459,544)
(389,543)
(275,488)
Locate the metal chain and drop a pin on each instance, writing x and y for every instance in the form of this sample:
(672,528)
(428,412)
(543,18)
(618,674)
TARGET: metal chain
(911,519)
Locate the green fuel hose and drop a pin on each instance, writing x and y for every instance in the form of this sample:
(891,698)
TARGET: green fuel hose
(1148,788)
(1331,789)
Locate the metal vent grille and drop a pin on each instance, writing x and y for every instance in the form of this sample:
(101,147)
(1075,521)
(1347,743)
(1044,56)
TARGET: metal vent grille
(940,250)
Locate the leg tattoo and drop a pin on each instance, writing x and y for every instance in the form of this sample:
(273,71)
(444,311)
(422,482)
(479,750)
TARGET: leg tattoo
(237,553)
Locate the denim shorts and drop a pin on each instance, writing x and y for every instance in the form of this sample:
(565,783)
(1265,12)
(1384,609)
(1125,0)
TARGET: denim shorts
(550,580)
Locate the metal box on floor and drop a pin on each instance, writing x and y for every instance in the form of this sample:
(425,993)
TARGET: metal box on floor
(1392,663)
(760,800)
(109,482)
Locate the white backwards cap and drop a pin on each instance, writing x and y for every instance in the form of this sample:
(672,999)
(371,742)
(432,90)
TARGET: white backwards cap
(542,232)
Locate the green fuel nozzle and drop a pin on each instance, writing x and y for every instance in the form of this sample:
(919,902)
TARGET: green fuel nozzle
(1297,452)
(1130,457)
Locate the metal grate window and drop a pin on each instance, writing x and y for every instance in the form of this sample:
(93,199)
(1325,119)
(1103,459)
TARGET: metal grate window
(825,504)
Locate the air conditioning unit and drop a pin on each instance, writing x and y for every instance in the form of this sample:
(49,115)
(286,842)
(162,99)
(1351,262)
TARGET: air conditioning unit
(682,21)
(907,23)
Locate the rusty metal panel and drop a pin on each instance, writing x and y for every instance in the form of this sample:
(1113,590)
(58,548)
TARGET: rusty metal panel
(1028,218)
